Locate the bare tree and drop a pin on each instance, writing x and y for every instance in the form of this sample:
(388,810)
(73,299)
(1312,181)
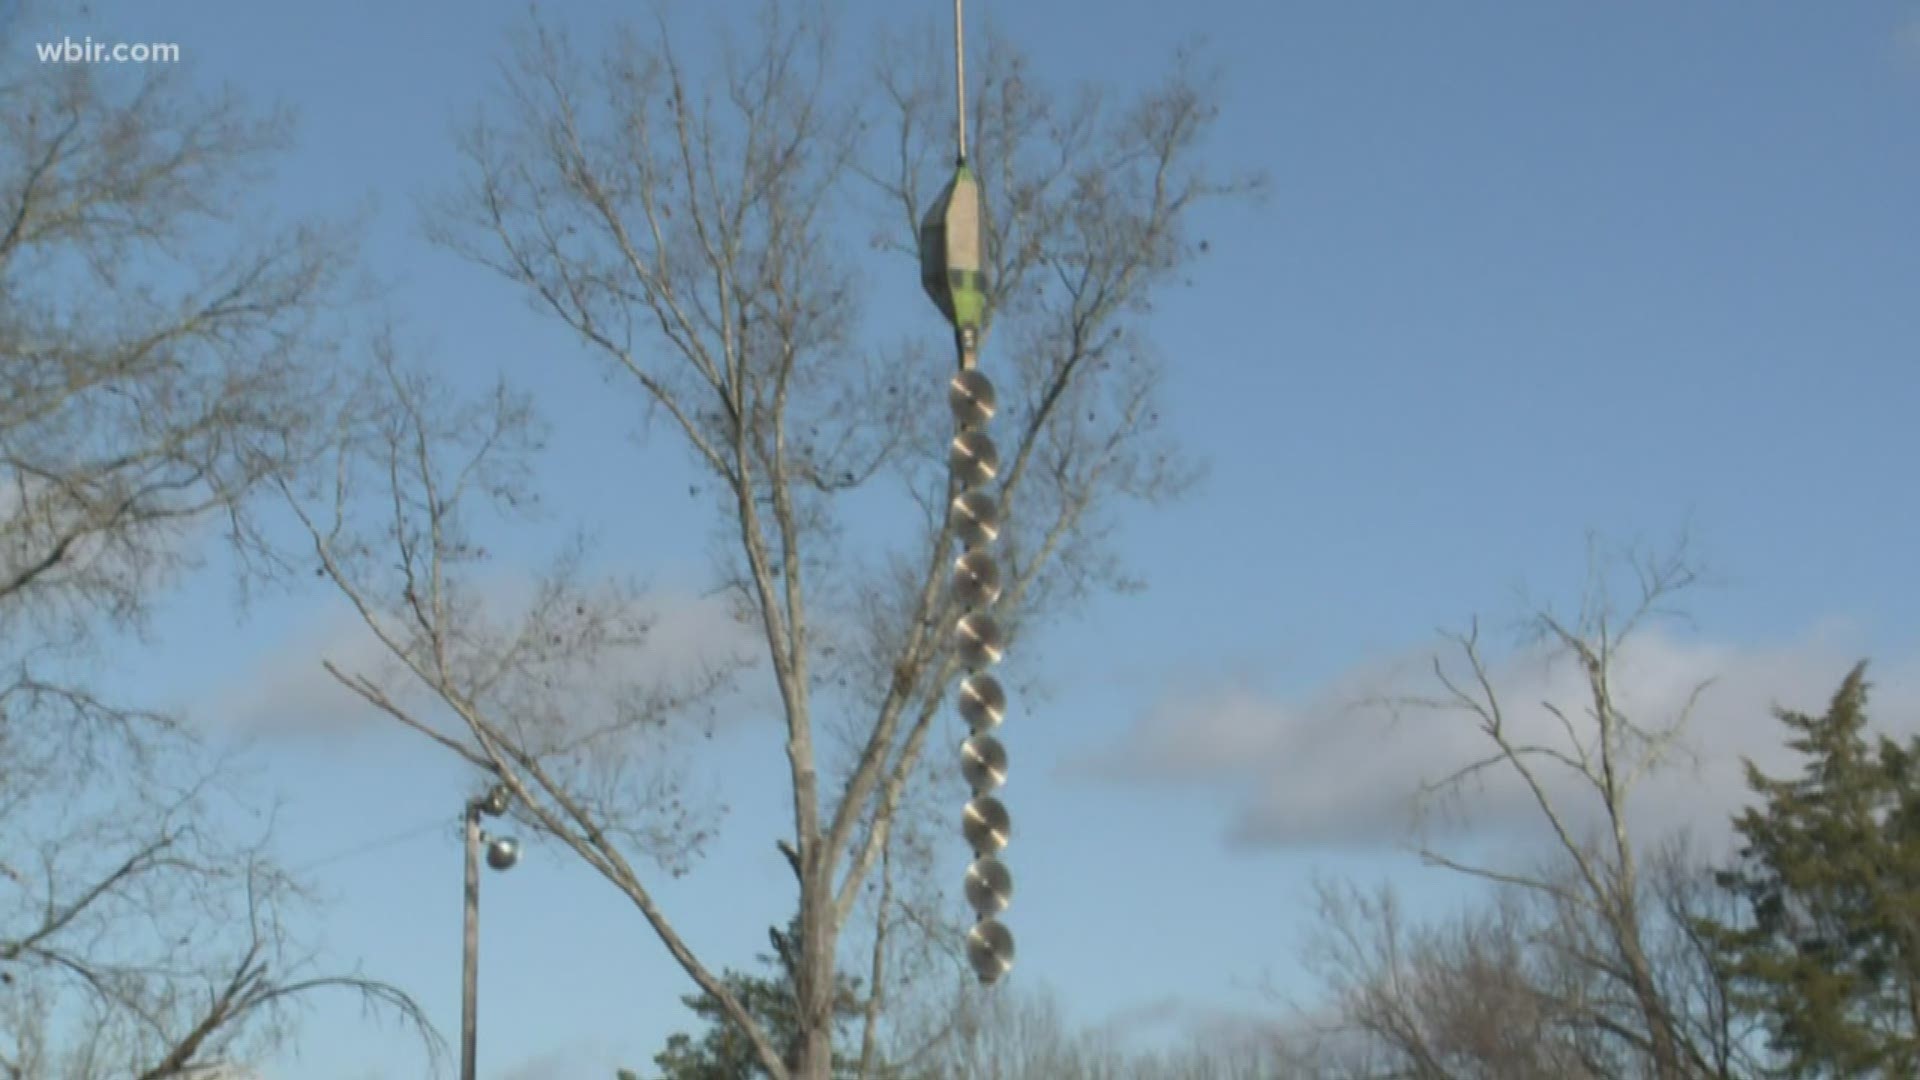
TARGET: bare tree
(693,236)
(1584,769)
(1484,995)
(1683,894)
(1511,987)
(1023,1035)
(153,374)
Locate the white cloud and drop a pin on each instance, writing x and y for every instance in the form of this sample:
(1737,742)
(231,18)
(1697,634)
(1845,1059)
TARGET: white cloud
(289,693)
(1329,769)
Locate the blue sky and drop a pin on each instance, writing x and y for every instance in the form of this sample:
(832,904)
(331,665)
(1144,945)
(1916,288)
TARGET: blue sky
(1526,270)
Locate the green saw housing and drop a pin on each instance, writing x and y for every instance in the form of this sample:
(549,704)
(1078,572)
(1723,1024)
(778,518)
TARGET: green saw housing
(952,253)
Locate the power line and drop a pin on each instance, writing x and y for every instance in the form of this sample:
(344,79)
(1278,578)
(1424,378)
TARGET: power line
(371,846)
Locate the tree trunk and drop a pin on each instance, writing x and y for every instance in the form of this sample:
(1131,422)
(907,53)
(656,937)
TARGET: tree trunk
(815,982)
(1663,1043)
(1665,1048)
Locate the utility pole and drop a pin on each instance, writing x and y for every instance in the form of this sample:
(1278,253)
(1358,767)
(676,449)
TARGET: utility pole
(502,854)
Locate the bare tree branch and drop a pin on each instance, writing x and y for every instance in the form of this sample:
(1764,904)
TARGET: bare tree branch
(159,357)
(1594,888)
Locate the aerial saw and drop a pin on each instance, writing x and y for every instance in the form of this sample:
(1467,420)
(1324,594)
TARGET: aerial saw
(953,272)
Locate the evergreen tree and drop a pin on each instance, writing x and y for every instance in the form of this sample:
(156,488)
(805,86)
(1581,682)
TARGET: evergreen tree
(1829,872)
(722,1051)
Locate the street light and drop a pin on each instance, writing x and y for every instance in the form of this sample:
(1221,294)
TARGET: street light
(502,853)
(953,272)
